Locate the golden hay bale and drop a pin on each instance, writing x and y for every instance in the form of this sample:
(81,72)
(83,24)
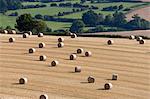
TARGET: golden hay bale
(25,35)
(91,79)
(70,33)
(32,50)
(44,96)
(114,76)
(5,31)
(110,42)
(42,58)
(88,54)
(54,63)
(29,32)
(23,80)
(13,32)
(73,57)
(42,45)
(40,34)
(139,38)
(108,86)
(60,44)
(61,39)
(80,51)
(11,39)
(141,41)
(73,35)
(131,37)
(78,69)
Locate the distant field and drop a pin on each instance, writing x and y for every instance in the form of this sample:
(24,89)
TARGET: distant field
(102,5)
(43,11)
(145,33)
(10,21)
(143,12)
(58,25)
(7,21)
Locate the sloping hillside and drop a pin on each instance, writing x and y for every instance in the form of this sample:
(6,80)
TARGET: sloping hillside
(127,58)
(143,12)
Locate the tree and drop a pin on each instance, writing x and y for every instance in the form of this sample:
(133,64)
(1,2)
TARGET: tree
(83,1)
(120,7)
(77,26)
(39,26)
(39,16)
(3,5)
(138,23)
(99,28)
(90,18)
(92,1)
(119,19)
(108,19)
(8,28)
(25,22)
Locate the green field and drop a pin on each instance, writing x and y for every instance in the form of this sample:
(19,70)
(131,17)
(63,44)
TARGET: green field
(10,21)
(100,6)
(7,21)
(43,11)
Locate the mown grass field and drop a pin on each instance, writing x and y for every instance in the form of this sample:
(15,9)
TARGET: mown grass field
(42,11)
(10,21)
(125,57)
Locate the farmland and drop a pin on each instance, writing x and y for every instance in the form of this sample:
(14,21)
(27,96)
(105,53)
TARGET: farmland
(142,13)
(126,57)
(52,11)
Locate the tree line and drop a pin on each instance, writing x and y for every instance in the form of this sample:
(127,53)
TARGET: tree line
(118,19)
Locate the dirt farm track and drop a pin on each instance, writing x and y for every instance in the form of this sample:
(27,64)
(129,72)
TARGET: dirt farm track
(127,58)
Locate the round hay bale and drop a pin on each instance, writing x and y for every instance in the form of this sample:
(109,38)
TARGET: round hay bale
(5,31)
(88,54)
(110,42)
(73,57)
(61,39)
(114,76)
(73,35)
(40,34)
(108,86)
(131,37)
(32,50)
(54,63)
(23,80)
(25,35)
(78,69)
(80,51)
(141,41)
(91,79)
(139,38)
(70,33)
(43,58)
(60,44)
(11,39)
(13,32)
(42,45)
(29,32)
(44,96)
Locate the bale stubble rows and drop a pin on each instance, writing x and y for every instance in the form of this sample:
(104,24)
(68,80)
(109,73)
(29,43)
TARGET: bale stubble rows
(125,57)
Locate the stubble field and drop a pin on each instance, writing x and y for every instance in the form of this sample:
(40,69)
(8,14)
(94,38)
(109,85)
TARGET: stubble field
(127,58)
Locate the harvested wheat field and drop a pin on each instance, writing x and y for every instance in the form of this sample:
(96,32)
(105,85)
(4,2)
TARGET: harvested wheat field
(126,58)
(123,33)
(142,12)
